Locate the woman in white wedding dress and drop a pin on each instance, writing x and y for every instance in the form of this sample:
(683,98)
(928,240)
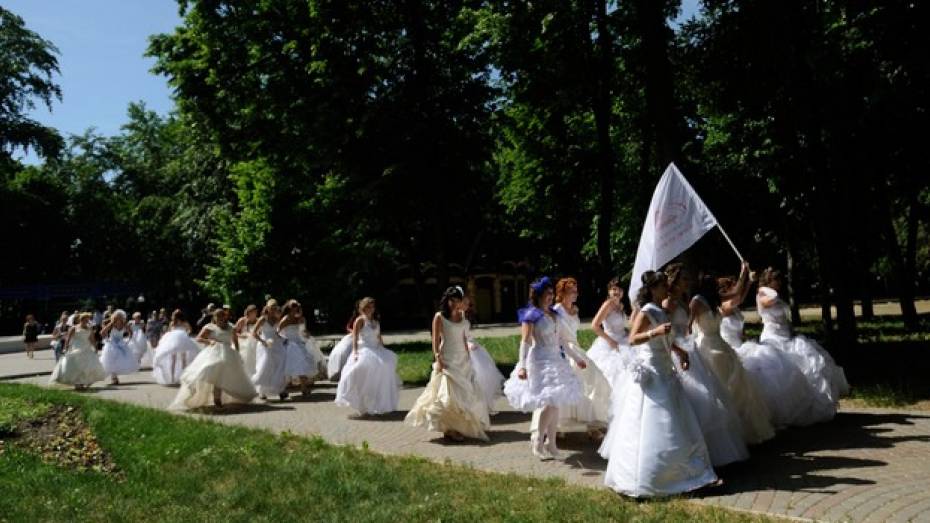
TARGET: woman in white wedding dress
(826,378)
(79,366)
(591,414)
(610,349)
(216,373)
(452,402)
(717,416)
(542,378)
(339,355)
(723,361)
(369,382)
(117,356)
(654,445)
(300,359)
(270,378)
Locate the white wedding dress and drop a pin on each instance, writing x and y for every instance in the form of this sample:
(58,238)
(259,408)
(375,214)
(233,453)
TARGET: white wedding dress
(117,356)
(338,357)
(489,377)
(612,362)
(726,365)
(218,365)
(80,365)
(175,350)
(270,355)
(452,400)
(369,383)
(654,445)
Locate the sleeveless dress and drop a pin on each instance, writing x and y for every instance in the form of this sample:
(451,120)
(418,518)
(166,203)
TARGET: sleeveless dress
(338,357)
(270,378)
(218,365)
(117,356)
(80,365)
(370,384)
(248,349)
(489,377)
(715,410)
(592,412)
(612,362)
(778,379)
(827,379)
(452,400)
(726,365)
(654,445)
(140,345)
(178,343)
(549,378)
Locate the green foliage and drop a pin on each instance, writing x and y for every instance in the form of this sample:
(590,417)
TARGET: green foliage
(27,63)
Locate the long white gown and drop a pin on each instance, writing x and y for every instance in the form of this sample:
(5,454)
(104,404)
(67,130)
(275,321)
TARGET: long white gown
(248,349)
(370,384)
(612,362)
(726,365)
(177,343)
(779,380)
(270,378)
(654,445)
(488,375)
(117,356)
(218,365)
(592,412)
(80,365)
(140,344)
(827,379)
(715,410)
(452,400)
(338,357)
(549,378)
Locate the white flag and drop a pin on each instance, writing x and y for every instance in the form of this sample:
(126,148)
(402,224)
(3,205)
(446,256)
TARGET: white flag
(677,219)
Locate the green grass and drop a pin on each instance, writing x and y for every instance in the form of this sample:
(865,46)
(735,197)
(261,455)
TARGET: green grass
(176,468)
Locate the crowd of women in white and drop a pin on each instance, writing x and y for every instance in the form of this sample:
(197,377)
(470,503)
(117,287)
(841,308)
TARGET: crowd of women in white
(671,397)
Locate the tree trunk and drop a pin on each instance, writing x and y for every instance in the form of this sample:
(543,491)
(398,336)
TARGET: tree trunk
(910,261)
(659,94)
(602,112)
(903,283)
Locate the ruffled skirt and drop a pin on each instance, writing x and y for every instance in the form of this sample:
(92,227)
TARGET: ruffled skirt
(825,377)
(248,351)
(550,381)
(611,362)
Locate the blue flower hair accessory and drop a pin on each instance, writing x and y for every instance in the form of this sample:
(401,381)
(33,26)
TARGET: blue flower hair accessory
(540,284)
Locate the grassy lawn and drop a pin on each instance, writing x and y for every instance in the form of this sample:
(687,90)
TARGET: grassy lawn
(890,367)
(174,468)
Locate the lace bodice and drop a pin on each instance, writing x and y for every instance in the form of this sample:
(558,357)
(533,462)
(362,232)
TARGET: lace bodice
(453,341)
(614,325)
(776,320)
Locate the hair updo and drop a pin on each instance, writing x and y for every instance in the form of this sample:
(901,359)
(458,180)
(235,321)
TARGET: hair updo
(445,302)
(650,280)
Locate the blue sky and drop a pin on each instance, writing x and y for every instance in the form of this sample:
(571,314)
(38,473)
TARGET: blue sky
(101,44)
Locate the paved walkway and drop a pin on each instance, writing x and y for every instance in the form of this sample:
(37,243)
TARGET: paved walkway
(866,465)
